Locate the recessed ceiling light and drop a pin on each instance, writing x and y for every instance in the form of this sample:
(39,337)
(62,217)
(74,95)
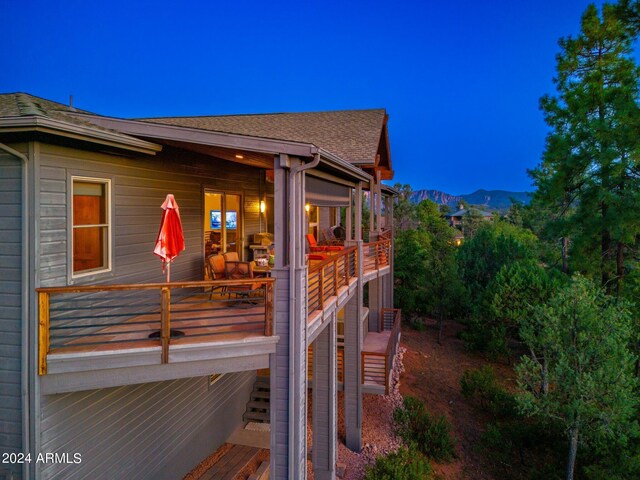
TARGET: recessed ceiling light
(239,156)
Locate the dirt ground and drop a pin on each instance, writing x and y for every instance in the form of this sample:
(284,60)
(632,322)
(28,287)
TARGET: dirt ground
(432,374)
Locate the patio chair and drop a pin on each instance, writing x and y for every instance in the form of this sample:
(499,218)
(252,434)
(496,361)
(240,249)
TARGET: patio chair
(315,248)
(240,271)
(330,237)
(214,266)
(231,257)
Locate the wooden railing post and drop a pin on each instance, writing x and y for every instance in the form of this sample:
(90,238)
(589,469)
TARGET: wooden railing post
(386,374)
(43,332)
(347,267)
(335,277)
(321,288)
(165,320)
(268,326)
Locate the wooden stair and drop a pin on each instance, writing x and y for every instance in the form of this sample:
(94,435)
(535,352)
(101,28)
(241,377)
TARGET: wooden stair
(258,407)
(232,463)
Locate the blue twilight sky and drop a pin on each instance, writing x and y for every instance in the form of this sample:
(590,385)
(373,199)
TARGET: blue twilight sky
(460,80)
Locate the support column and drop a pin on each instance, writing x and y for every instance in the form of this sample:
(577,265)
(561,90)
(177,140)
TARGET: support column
(349,219)
(375,303)
(353,345)
(325,438)
(392,227)
(289,364)
(378,202)
(372,206)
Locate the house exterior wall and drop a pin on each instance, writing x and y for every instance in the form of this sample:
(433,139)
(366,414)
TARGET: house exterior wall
(169,426)
(10,307)
(150,431)
(139,186)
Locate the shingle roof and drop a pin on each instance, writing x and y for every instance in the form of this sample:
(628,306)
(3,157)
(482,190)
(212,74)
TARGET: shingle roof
(26,105)
(351,134)
(22,104)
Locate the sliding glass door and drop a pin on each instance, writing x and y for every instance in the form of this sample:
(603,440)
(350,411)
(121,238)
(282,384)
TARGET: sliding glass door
(223,227)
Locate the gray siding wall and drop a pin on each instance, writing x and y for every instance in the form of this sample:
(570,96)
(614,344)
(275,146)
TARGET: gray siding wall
(139,186)
(155,430)
(151,431)
(10,306)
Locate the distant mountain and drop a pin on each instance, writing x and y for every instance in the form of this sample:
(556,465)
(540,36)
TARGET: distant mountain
(490,199)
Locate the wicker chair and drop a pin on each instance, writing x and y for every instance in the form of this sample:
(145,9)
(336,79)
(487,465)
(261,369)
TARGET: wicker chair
(239,271)
(215,268)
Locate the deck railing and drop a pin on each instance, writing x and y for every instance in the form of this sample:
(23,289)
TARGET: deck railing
(376,366)
(105,317)
(376,254)
(328,276)
(385,235)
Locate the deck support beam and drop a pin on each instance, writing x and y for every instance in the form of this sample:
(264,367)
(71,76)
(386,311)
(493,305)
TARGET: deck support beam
(289,364)
(375,295)
(324,418)
(353,344)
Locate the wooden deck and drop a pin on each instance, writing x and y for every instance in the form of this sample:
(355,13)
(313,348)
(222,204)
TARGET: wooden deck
(232,463)
(200,319)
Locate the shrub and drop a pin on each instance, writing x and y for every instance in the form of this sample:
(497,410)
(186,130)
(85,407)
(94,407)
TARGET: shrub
(402,465)
(480,336)
(482,386)
(423,431)
(417,323)
(521,449)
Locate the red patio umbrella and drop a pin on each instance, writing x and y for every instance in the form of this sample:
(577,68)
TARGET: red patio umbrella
(170,240)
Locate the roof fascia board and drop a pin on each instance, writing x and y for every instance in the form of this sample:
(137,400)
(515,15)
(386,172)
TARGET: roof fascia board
(78,132)
(344,166)
(390,190)
(331,178)
(205,137)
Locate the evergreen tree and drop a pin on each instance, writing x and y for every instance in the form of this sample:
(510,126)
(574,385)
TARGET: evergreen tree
(404,211)
(582,339)
(590,174)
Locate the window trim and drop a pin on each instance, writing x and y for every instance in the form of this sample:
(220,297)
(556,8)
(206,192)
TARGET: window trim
(107,182)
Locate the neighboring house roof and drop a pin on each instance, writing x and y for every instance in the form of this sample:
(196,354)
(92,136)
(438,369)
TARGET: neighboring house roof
(464,211)
(358,136)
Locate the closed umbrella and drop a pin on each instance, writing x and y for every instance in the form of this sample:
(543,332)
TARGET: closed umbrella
(170,240)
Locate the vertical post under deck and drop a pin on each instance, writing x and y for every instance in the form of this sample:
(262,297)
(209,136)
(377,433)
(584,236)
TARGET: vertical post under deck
(324,429)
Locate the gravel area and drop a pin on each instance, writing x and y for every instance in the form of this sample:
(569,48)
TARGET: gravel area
(378,437)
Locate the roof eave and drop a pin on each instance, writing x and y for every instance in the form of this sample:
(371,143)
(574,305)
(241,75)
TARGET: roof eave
(78,132)
(204,137)
(390,190)
(345,167)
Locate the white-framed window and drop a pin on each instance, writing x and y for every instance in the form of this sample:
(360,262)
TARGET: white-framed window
(90,226)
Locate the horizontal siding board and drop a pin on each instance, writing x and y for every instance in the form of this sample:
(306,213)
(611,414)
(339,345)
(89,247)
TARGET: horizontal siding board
(158,425)
(167,426)
(10,248)
(9,198)
(10,303)
(139,188)
(10,400)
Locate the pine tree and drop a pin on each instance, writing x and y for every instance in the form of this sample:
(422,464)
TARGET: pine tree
(583,337)
(590,173)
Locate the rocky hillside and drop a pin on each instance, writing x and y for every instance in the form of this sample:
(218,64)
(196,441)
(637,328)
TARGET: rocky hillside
(490,199)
